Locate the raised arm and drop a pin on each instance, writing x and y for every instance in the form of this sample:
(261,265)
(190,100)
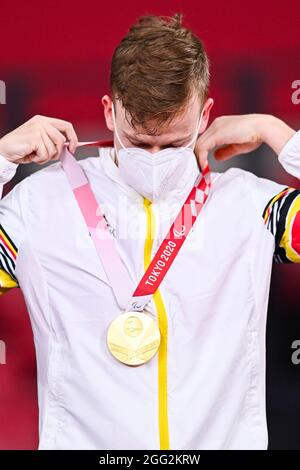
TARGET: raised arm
(38,140)
(280,205)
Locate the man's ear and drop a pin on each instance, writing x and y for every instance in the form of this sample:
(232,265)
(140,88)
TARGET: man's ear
(107,104)
(205,118)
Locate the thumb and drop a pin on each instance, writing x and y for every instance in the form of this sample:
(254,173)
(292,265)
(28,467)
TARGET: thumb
(202,157)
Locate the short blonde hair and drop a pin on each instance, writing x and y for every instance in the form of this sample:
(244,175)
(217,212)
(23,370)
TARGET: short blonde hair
(156,68)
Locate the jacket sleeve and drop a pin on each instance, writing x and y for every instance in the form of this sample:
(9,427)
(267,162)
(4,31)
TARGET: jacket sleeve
(282,211)
(7,171)
(13,208)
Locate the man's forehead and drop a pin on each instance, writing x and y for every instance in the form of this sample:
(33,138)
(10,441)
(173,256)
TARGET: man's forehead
(191,109)
(181,127)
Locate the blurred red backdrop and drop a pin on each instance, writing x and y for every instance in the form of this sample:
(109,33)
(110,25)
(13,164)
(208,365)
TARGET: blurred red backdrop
(55,59)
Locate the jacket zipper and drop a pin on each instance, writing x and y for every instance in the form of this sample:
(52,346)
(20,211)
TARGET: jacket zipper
(163,423)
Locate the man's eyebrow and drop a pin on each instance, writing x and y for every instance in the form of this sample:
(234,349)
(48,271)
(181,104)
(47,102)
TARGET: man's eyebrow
(133,138)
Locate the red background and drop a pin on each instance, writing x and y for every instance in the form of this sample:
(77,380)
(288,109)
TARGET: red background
(55,59)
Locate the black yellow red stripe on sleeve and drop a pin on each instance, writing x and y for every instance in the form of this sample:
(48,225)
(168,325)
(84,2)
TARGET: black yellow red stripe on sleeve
(282,217)
(8,255)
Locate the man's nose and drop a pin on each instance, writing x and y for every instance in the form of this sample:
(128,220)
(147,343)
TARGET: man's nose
(155,148)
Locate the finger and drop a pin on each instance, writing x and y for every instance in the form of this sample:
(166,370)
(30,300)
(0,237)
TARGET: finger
(202,157)
(50,146)
(28,159)
(57,138)
(40,154)
(205,143)
(208,141)
(217,135)
(67,129)
(212,139)
(202,148)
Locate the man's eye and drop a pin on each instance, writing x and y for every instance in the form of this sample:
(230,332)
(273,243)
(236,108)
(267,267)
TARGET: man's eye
(145,146)
(136,144)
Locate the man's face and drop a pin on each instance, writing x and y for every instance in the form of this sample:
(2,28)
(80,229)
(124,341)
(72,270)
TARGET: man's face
(177,133)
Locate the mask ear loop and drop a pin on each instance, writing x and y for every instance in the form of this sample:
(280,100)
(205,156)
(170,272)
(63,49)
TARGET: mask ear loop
(116,130)
(198,127)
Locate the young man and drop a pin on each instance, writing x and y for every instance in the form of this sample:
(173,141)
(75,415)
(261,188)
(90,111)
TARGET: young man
(205,387)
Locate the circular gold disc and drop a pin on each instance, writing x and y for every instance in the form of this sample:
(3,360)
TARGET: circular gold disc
(133,338)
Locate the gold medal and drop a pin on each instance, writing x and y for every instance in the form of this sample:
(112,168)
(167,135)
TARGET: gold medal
(133,338)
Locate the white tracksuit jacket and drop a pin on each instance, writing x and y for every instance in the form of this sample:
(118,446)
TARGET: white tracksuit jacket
(205,389)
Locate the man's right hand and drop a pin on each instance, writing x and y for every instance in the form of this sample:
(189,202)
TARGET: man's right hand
(38,140)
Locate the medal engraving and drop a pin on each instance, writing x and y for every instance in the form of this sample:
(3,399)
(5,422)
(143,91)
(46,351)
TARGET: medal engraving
(133,338)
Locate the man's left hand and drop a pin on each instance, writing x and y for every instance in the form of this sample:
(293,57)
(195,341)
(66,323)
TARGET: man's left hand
(233,135)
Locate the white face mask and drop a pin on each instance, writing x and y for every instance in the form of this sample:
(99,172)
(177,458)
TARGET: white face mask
(154,174)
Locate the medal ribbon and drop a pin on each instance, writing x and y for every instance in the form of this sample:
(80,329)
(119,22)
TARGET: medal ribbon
(105,244)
